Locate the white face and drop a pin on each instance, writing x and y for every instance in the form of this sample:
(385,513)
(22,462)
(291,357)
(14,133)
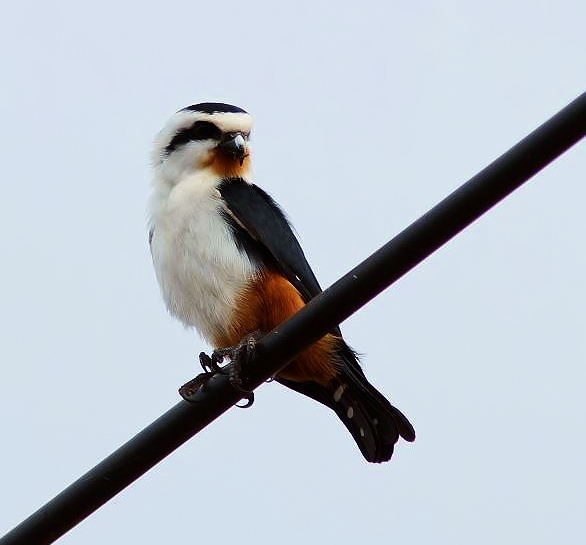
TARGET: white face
(189,141)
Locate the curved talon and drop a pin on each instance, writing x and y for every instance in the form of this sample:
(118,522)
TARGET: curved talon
(217,358)
(211,365)
(249,401)
(236,382)
(205,361)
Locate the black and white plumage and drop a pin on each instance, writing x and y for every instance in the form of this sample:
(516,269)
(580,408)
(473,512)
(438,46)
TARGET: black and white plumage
(228,264)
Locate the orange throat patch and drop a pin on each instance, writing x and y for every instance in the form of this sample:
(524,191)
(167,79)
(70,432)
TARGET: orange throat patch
(225,166)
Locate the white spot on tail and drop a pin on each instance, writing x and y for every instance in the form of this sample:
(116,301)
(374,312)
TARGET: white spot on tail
(375,421)
(361,432)
(338,393)
(350,412)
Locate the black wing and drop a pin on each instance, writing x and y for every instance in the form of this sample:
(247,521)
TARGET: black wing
(263,231)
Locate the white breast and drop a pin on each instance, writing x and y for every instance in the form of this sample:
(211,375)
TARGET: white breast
(200,270)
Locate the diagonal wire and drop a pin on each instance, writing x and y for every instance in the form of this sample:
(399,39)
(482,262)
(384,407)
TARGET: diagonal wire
(319,316)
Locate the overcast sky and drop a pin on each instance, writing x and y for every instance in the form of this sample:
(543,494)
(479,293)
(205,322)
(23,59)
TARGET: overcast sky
(367,113)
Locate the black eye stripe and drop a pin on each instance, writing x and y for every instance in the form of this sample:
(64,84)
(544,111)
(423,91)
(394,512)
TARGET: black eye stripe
(200,130)
(204,130)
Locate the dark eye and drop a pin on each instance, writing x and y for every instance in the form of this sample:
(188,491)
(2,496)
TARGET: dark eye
(200,130)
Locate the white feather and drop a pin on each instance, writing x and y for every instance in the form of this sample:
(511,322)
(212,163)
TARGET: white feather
(199,268)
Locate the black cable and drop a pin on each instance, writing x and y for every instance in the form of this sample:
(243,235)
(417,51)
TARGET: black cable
(321,315)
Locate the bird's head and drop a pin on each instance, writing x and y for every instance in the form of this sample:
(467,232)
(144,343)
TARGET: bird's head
(210,136)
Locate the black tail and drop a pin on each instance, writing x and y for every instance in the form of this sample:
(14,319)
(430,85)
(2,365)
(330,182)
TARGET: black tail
(373,422)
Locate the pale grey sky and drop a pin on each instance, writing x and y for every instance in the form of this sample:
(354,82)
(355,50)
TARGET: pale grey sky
(367,113)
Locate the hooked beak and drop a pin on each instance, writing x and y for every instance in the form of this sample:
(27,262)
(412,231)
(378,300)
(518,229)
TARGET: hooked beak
(234,144)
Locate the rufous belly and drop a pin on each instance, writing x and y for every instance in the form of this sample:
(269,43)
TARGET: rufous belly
(267,302)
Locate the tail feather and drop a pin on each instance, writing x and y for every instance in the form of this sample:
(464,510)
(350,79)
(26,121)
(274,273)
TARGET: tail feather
(372,421)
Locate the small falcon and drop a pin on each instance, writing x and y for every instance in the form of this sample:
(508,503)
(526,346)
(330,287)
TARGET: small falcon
(229,265)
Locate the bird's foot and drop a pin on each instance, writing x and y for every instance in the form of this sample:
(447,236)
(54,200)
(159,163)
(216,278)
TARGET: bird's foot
(211,365)
(239,356)
(210,368)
